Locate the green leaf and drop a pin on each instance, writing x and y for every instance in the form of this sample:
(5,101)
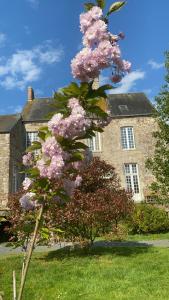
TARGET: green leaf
(101,3)
(77,156)
(42,135)
(64,142)
(105,87)
(84,88)
(115,7)
(96,110)
(71,90)
(57,230)
(88,6)
(80,145)
(42,182)
(33,172)
(34,146)
(43,128)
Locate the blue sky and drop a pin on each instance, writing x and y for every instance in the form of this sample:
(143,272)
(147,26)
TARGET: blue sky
(38,39)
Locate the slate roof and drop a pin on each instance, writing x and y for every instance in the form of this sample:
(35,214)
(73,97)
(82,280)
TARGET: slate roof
(120,105)
(129,105)
(37,110)
(7,122)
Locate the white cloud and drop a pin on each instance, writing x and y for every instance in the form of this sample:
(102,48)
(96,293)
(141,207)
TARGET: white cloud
(48,54)
(3,39)
(128,82)
(155,65)
(26,66)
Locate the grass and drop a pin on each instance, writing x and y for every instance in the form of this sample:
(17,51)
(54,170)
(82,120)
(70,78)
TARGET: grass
(102,273)
(137,237)
(150,236)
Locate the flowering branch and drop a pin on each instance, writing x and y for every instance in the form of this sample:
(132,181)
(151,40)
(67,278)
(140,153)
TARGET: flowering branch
(60,151)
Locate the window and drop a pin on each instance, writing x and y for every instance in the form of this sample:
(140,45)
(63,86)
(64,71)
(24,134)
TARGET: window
(123,108)
(131,176)
(94,143)
(31,137)
(127,138)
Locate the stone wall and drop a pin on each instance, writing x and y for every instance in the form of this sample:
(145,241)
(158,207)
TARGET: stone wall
(4,168)
(34,126)
(113,153)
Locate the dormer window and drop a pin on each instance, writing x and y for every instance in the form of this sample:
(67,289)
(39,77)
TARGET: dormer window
(123,108)
(127,138)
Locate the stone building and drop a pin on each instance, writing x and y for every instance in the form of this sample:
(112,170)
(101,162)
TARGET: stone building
(126,142)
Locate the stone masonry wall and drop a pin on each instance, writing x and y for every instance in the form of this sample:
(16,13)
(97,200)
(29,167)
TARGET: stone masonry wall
(4,168)
(34,126)
(113,153)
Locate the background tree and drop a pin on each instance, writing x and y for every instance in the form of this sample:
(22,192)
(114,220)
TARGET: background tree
(159,164)
(97,206)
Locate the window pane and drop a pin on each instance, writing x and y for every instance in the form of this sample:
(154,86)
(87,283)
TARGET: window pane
(130,138)
(124,138)
(127,138)
(94,142)
(128,183)
(127,168)
(134,168)
(131,177)
(31,137)
(135,183)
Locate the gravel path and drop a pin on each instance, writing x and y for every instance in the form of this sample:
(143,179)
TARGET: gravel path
(156,243)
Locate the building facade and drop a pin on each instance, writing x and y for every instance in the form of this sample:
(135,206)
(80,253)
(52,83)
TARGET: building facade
(126,142)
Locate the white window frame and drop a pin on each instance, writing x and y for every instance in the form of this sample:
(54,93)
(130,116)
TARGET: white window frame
(33,136)
(94,143)
(135,187)
(125,138)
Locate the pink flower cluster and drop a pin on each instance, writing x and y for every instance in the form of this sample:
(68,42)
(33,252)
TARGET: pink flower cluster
(51,147)
(52,168)
(27,159)
(26,183)
(95,34)
(87,19)
(74,125)
(53,160)
(27,202)
(101,48)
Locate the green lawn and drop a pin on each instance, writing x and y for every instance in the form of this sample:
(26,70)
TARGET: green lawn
(137,273)
(150,236)
(138,237)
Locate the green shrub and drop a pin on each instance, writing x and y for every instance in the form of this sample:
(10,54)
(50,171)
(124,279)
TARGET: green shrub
(147,218)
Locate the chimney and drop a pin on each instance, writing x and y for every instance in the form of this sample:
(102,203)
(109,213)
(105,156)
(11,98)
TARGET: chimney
(30,94)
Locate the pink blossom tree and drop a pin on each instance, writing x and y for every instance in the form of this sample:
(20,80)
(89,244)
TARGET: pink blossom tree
(60,151)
